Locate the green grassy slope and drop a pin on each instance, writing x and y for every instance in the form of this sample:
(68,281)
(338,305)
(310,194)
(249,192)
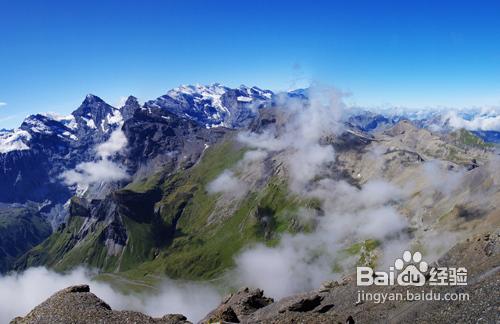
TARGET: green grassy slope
(174,225)
(463,138)
(201,249)
(21,228)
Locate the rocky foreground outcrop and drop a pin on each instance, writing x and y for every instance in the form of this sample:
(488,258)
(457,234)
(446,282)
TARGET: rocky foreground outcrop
(78,305)
(334,302)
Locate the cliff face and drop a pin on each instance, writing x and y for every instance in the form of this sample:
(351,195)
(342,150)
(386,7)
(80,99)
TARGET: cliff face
(21,228)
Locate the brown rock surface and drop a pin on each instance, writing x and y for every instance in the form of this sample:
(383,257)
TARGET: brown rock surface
(479,254)
(77,305)
(236,307)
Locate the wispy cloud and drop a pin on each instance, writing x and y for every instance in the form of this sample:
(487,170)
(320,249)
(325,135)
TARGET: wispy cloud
(227,183)
(103,169)
(2,104)
(349,214)
(7,118)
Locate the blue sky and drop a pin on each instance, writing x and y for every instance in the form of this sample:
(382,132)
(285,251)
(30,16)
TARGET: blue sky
(403,53)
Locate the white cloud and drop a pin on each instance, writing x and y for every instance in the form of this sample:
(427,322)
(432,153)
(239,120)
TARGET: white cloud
(484,122)
(87,173)
(441,179)
(21,292)
(116,142)
(349,214)
(229,184)
(2,104)
(103,169)
(305,126)
(301,262)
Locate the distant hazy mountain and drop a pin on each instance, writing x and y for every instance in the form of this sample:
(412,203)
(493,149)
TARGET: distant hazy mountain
(484,125)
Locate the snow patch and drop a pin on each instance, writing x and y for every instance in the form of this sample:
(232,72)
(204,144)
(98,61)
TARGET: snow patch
(202,94)
(14,141)
(244,99)
(90,123)
(115,119)
(71,136)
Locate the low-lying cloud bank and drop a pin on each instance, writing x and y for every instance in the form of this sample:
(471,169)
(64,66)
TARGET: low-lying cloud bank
(20,293)
(481,122)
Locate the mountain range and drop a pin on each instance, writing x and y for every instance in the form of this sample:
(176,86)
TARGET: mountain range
(206,182)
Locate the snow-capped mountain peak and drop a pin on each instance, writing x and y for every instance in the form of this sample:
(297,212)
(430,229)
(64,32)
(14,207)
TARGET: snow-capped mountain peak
(94,113)
(213,105)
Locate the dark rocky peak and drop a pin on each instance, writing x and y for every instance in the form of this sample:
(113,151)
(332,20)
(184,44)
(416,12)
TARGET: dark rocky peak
(132,101)
(156,134)
(91,99)
(131,106)
(92,104)
(95,119)
(92,112)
